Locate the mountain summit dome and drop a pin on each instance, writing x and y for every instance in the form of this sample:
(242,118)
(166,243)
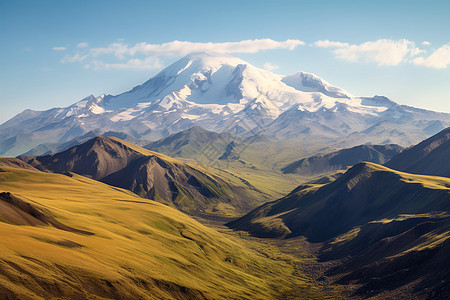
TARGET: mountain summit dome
(220,93)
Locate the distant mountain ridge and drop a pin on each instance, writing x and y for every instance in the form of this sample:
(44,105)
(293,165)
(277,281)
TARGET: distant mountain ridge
(429,157)
(366,192)
(188,142)
(341,159)
(225,94)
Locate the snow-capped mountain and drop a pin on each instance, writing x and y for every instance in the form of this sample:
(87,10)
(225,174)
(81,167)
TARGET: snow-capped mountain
(224,93)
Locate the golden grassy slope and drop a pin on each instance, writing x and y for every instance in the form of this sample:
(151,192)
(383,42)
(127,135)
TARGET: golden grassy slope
(151,175)
(140,248)
(15,163)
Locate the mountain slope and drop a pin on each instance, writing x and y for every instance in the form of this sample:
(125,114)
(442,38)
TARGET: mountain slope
(388,232)
(151,175)
(404,256)
(190,143)
(226,94)
(85,240)
(366,192)
(342,159)
(13,162)
(429,157)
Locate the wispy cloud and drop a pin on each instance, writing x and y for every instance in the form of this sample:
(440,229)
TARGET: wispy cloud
(426,43)
(382,52)
(330,44)
(439,59)
(269,67)
(82,45)
(177,48)
(147,56)
(59,48)
(149,63)
(78,57)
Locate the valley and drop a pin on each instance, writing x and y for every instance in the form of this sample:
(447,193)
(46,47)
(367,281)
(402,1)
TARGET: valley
(216,179)
(344,234)
(93,240)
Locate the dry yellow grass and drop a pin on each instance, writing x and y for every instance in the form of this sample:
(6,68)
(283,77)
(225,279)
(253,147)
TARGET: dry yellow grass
(139,248)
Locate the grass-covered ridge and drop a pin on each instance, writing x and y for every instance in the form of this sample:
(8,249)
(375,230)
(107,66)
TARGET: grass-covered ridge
(152,175)
(389,230)
(365,193)
(124,247)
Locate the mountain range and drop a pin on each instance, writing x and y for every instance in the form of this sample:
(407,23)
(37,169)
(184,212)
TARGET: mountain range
(365,193)
(341,159)
(386,231)
(429,157)
(105,197)
(370,231)
(151,175)
(191,142)
(227,95)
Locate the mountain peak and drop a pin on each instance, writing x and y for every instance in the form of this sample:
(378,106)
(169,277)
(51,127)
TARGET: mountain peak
(308,82)
(215,91)
(201,62)
(211,57)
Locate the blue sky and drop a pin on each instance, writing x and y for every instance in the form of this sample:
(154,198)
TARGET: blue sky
(54,53)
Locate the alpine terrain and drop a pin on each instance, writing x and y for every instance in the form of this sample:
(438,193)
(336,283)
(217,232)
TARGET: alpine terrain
(429,157)
(152,175)
(224,94)
(389,231)
(282,177)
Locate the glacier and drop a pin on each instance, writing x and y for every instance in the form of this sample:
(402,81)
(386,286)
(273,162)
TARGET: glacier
(223,93)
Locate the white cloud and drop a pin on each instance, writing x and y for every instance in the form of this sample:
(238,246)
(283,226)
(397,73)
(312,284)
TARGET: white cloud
(59,48)
(82,45)
(382,52)
(150,63)
(147,56)
(330,44)
(74,58)
(178,48)
(439,59)
(426,43)
(268,66)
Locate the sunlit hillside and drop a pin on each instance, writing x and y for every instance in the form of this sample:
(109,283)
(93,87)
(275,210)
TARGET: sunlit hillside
(114,244)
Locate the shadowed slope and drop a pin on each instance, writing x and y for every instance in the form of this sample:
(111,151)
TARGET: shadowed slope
(139,248)
(406,255)
(152,175)
(391,230)
(366,192)
(340,160)
(430,157)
